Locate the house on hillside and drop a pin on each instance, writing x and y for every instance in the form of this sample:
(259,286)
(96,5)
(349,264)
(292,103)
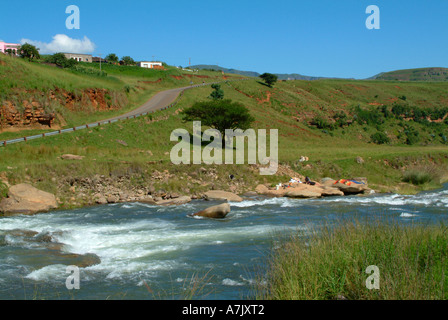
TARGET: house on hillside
(79,57)
(151,65)
(5,47)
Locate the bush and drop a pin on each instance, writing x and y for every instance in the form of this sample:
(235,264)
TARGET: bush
(322,123)
(412,135)
(417,177)
(380,138)
(422,174)
(369,117)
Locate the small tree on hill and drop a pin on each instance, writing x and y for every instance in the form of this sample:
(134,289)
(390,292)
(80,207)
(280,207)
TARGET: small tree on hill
(112,58)
(269,78)
(128,61)
(218,93)
(29,52)
(220,115)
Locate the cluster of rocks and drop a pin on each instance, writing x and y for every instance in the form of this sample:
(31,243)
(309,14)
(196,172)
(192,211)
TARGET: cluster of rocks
(326,188)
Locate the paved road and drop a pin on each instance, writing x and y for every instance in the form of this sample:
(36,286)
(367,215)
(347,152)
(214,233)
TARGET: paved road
(159,101)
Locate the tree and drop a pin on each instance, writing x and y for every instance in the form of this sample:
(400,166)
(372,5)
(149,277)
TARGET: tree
(217,94)
(29,51)
(112,58)
(269,78)
(11,52)
(61,60)
(220,115)
(128,61)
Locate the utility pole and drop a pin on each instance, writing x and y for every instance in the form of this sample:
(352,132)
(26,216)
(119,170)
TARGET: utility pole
(100,54)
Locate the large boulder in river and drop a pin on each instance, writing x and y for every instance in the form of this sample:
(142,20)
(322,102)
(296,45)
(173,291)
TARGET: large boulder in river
(215,212)
(222,195)
(25,199)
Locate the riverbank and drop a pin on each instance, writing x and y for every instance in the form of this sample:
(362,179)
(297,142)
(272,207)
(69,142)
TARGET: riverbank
(367,260)
(166,184)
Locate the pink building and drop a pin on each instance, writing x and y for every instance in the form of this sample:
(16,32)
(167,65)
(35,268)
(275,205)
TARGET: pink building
(5,46)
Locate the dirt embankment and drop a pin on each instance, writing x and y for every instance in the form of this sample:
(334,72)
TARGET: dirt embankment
(37,110)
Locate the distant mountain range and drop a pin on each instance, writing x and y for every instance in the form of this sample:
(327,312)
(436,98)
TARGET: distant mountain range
(292,76)
(421,74)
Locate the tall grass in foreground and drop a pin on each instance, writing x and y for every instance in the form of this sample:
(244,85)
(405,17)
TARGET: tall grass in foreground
(331,264)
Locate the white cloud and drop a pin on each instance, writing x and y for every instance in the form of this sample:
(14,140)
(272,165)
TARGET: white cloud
(63,43)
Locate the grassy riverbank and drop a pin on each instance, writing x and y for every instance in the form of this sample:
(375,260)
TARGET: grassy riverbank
(330,263)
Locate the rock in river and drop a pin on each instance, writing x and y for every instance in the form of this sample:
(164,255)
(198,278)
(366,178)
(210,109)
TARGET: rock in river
(25,199)
(215,212)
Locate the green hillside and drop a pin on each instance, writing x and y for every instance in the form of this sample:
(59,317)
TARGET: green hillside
(81,94)
(393,133)
(421,74)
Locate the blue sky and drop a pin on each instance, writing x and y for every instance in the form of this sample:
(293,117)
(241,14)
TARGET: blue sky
(313,37)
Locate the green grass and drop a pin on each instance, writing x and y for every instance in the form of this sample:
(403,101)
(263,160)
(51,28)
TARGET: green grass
(330,263)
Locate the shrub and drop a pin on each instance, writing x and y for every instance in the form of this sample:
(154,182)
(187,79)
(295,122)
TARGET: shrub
(369,117)
(422,174)
(380,138)
(322,123)
(412,135)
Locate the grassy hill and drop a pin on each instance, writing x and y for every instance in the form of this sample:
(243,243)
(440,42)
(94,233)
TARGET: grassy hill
(421,74)
(393,133)
(82,94)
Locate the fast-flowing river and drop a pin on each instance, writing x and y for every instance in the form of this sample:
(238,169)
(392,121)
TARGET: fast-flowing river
(149,252)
